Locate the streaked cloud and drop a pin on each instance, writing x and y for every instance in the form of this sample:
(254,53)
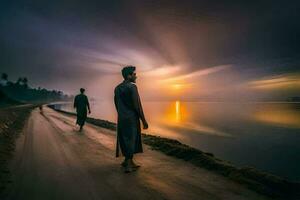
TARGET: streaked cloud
(162,71)
(277,82)
(198,73)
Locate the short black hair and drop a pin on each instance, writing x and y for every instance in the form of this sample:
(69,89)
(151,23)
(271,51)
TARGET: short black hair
(82,90)
(127,70)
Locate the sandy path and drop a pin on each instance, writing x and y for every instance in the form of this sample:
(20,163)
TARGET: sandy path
(54,161)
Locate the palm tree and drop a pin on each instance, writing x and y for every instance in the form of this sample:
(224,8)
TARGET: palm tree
(25,82)
(19,81)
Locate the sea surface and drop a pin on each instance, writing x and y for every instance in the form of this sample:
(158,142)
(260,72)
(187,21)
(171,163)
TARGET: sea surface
(261,135)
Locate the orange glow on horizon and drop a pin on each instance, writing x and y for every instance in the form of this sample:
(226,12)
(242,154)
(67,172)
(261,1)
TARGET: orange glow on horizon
(280,117)
(177,86)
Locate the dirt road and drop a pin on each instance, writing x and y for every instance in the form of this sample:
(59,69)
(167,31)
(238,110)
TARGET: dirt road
(54,161)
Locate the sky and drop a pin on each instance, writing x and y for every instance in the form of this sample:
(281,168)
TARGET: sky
(193,50)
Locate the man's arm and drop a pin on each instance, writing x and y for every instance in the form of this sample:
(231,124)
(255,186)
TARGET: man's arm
(115,100)
(75,102)
(88,104)
(138,105)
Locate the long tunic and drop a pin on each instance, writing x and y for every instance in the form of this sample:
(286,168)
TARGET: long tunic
(81,103)
(130,111)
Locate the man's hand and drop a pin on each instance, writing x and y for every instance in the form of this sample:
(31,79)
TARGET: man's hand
(145,125)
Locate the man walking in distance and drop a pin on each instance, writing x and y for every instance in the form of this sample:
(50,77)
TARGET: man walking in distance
(130,112)
(81,104)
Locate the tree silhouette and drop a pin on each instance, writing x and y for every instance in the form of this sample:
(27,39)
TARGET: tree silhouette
(20,91)
(25,82)
(19,81)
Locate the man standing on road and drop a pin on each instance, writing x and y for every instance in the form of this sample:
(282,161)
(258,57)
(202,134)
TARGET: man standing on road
(81,104)
(130,112)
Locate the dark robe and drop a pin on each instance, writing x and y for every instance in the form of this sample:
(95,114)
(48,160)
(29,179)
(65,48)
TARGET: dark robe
(81,103)
(130,111)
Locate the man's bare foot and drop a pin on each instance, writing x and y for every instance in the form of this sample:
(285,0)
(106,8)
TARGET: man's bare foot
(129,166)
(128,169)
(124,163)
(134,165)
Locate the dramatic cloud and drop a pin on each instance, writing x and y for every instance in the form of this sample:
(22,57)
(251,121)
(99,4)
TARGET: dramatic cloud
(192,50)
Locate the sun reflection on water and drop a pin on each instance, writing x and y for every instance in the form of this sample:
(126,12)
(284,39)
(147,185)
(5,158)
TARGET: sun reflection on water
(178,116)
(177,109)
(175,113)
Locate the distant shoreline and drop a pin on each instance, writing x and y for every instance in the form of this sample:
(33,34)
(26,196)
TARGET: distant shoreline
(253,178)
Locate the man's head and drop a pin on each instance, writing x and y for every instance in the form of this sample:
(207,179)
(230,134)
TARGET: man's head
(82,90)
(128,73)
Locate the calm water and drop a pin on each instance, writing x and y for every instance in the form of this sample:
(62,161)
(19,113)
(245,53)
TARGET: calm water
(263,135)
